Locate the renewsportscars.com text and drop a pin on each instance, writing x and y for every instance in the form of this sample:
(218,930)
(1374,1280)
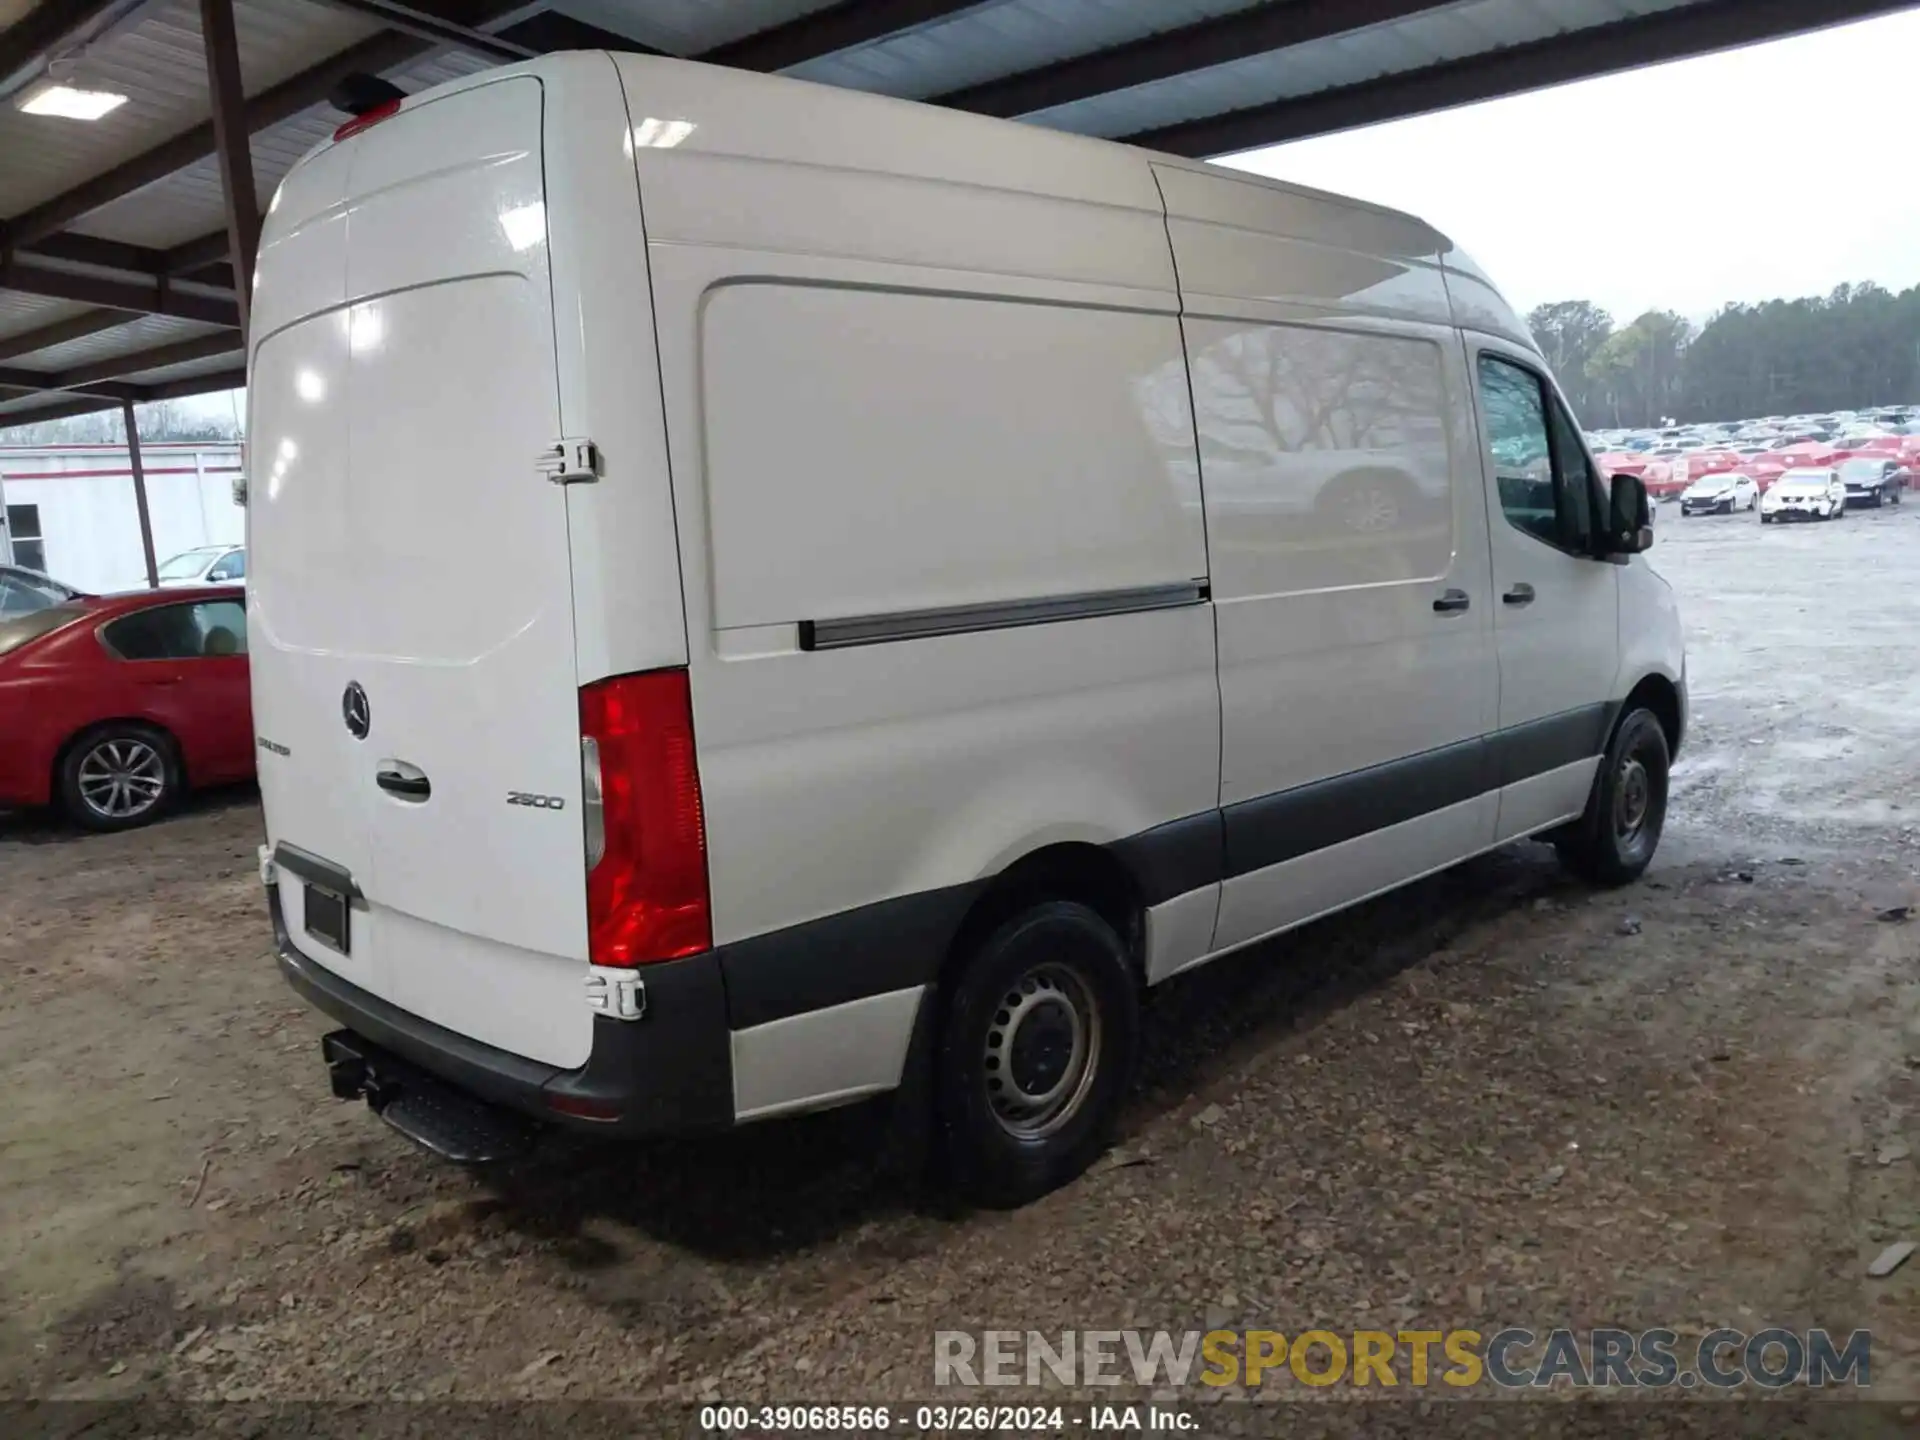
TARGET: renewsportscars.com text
(1513,1358)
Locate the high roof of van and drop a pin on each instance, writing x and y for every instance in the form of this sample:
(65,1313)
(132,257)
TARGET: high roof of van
(718,110)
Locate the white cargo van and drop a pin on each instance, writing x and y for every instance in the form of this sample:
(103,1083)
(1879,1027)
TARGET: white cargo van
(762,594)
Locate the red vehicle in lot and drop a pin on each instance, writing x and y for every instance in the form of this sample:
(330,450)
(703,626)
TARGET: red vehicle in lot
(1808,455)
(1765,469)
(113,705)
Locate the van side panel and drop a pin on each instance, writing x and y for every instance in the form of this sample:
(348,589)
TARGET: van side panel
(1338,458)
(890,779)
(873,452)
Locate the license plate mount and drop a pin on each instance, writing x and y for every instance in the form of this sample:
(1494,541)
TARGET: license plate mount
(328,918)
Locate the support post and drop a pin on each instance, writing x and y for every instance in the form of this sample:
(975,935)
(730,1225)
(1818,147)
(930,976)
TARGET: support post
(140,493)
(231,146)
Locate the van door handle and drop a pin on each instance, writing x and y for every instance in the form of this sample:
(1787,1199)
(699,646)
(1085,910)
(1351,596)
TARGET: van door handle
(1452,601)
(405,781)
(1521,594)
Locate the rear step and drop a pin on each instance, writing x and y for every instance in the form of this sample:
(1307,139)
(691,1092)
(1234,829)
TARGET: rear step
(426,1109)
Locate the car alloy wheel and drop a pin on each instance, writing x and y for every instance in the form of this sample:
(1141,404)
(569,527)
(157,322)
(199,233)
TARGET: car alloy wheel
(122,778)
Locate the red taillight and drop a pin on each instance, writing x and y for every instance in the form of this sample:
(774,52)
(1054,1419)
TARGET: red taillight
(647,888)
(382,111)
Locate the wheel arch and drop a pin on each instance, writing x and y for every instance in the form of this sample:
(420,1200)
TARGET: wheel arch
(1071,870)
(1660,695)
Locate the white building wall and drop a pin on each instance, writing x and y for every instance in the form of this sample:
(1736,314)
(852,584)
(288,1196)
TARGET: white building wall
(90,521)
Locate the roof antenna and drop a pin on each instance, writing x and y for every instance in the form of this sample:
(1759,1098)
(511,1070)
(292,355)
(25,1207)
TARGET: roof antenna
(358,93)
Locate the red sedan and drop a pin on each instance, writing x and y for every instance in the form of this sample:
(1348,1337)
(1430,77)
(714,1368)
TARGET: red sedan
(111,706)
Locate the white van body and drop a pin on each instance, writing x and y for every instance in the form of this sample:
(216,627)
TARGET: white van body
(1013,504)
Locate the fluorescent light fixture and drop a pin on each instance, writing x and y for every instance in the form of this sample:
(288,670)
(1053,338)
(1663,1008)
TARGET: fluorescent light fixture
(69,103)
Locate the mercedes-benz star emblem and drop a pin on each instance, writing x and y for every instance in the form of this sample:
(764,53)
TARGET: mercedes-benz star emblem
(355,710)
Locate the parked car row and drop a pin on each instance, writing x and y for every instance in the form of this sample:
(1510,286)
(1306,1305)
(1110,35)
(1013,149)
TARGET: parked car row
(1820,492)
(1878,453)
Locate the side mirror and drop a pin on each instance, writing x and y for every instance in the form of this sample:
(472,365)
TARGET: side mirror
(1629,517)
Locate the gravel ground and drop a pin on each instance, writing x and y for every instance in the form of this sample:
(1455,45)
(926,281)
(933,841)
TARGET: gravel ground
(1497,1098)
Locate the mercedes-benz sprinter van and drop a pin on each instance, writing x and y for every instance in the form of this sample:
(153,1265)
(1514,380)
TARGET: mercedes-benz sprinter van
(759,591)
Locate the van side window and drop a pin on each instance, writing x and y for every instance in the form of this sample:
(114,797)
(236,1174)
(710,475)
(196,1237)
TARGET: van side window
(1545,483)
(1325,456)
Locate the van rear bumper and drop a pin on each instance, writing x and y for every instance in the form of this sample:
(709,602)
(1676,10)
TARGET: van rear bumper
(668,1073)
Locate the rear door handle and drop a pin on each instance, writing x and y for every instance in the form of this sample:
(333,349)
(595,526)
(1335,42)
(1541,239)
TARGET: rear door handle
(406,781)
(1521,594)
(1452,601)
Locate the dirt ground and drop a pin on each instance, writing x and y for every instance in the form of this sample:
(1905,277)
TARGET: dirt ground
(1498,1098)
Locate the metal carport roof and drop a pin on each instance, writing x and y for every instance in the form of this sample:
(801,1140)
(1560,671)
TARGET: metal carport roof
(116,281)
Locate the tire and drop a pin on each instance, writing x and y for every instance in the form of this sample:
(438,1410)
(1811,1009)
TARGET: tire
(118,776)
(1059,967)
(1766,519)
(1614,841)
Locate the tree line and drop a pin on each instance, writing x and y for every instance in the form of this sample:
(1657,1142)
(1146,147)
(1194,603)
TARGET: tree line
(1856,347)
(158,420)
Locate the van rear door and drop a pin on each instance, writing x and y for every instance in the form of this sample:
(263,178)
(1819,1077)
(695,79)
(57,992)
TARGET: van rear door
(413,640)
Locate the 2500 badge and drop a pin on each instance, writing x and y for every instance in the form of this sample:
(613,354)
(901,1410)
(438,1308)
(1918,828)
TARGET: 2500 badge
(537,802)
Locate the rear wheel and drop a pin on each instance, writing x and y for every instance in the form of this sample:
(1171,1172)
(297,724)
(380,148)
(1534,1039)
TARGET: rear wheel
(118,776)
(1035,1053)
(1613,842)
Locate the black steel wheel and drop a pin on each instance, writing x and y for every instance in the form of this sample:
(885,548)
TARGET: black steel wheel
(1037,1047)
(1613,842)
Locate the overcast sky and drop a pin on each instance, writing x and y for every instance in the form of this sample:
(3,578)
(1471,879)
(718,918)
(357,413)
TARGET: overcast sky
(1674,187)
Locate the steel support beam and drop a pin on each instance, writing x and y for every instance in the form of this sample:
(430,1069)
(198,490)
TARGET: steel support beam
(92,402)
(140,492)
(826,32)
(235,156)
(148,296)
(92,250)
(60,410)
(34,380)
(432,25)
(74,327)
(156,357)
(1575,55)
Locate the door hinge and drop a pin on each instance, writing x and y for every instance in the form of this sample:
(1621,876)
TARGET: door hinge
(570,461)
(619,993)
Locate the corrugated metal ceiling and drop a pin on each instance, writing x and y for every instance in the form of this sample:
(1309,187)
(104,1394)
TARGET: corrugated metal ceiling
(688,27)
(1469,28)
(139,333)
(21,313)
(157,61)
(188,203)
(1002,38)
